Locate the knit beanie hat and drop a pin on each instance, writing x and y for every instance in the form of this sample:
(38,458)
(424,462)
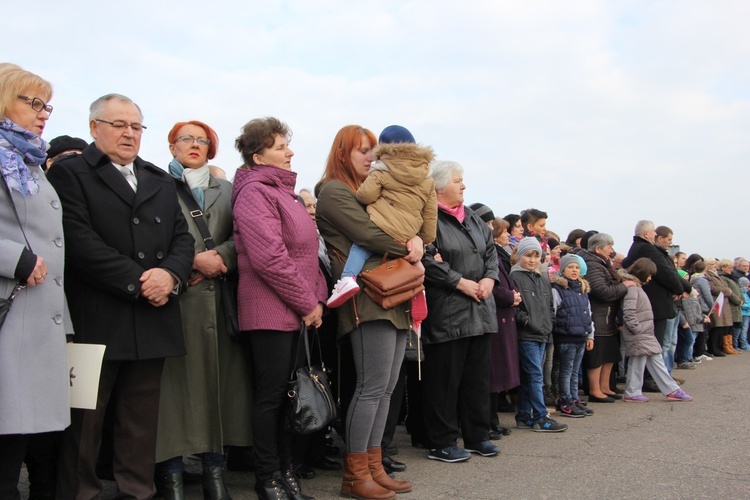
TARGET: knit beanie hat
(483,211)
(528,244)
(396,134)
(567,260)
(552,243)
(585,238)
(582,263)
(743,282)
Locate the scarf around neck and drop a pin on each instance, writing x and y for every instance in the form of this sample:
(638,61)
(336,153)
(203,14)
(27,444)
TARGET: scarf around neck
(18,149)
(458,212)
(196,178)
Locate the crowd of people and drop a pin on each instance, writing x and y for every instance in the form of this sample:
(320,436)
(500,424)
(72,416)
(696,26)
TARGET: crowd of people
(103,247)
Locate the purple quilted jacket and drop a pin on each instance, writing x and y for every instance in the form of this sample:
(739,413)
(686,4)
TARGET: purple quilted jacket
(277,251)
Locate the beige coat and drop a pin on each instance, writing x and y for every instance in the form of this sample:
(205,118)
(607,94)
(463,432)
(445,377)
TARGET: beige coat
(399,195)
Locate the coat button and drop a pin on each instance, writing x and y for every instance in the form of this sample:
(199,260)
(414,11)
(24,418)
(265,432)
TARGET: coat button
(59,280)
(55,204)
(136,220)
(141,255)
(159,255)
(157,220)
(131,288)
(211,288)
(503,320)
(58,319)
(475,250)
(59,242)
(208,216)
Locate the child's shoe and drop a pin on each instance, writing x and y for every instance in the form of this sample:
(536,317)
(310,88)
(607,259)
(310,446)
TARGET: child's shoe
(679,395)
(345,289)
(638,398)
(549,425)
(582,406)
(571,410)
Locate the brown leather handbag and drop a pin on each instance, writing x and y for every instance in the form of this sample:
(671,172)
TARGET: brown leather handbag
(393,282)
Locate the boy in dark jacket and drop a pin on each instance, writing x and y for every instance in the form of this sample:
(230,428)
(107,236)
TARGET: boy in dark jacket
(535,319)
(573,331)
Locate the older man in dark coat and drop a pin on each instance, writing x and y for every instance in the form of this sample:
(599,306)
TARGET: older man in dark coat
(664,285)
(128,253)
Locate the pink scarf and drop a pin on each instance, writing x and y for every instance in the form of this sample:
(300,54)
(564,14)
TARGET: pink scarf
(457,212)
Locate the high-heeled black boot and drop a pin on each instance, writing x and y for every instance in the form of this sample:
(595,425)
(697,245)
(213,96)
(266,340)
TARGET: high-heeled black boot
(213,484)
(271,489)
(172,487)
(292,487)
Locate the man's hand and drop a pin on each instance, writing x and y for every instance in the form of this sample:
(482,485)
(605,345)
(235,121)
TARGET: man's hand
(415,246)
(156,285)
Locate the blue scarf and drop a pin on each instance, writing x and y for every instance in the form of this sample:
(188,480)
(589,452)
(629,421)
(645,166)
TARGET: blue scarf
(19,148)
(176,170)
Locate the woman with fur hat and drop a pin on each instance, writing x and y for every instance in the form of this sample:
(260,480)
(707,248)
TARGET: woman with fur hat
(400,199)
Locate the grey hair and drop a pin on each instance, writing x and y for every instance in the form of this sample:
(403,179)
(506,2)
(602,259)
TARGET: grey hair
(643,226)
(442,172)
(599,240)
(95,111)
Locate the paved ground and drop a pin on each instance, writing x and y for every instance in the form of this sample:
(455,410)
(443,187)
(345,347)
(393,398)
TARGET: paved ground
(660,449)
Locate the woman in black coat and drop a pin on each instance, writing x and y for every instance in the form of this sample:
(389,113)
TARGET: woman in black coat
(607,291)
(462,314)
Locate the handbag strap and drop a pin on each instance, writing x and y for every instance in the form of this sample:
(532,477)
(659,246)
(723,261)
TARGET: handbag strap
(15,211)
(196,213)
(303,339)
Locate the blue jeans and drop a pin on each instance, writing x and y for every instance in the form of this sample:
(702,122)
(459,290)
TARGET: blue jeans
(670,342)
(743,333)
(736,331)
(530,393)
(356,261)
(571,356)
(684,352)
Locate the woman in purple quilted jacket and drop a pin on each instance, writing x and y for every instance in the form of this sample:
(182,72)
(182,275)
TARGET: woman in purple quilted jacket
(281,285)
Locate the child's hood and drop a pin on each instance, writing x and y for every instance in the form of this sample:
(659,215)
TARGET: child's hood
(627,276)
(408,163)
(563,282)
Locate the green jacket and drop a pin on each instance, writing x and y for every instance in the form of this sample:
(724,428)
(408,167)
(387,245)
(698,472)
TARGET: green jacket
(341,222)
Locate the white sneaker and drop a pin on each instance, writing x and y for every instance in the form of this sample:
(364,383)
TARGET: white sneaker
(345,289)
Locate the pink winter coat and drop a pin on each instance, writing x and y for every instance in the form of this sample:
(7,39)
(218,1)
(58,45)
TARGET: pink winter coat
(277,251)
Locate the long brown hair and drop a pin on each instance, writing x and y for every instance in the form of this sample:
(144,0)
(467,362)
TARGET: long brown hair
(338,168)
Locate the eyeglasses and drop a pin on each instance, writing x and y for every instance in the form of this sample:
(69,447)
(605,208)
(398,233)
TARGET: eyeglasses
(189,139)
(36,104)
(121,125)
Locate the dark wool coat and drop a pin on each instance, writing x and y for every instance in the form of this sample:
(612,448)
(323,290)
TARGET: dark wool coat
(112,236)
(504,371)
(664,284)
(468,251)
(607,291)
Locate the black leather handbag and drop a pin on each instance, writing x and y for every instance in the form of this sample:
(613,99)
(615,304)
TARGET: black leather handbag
(311,403)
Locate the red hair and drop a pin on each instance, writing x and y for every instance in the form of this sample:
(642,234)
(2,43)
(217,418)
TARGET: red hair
(347,140)
(210,133)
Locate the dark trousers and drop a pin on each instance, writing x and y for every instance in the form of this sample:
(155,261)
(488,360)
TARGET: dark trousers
(660,329)
(274,357)
(414,406)
(41,463)
(131,389)
(456,386)
(12,451)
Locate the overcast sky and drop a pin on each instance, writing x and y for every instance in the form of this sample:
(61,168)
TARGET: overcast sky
(600,113)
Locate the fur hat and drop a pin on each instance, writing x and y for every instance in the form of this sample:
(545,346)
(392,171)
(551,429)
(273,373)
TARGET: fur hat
(567,260)
(483,211)
(65,143)
(528,244)
(396,134)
